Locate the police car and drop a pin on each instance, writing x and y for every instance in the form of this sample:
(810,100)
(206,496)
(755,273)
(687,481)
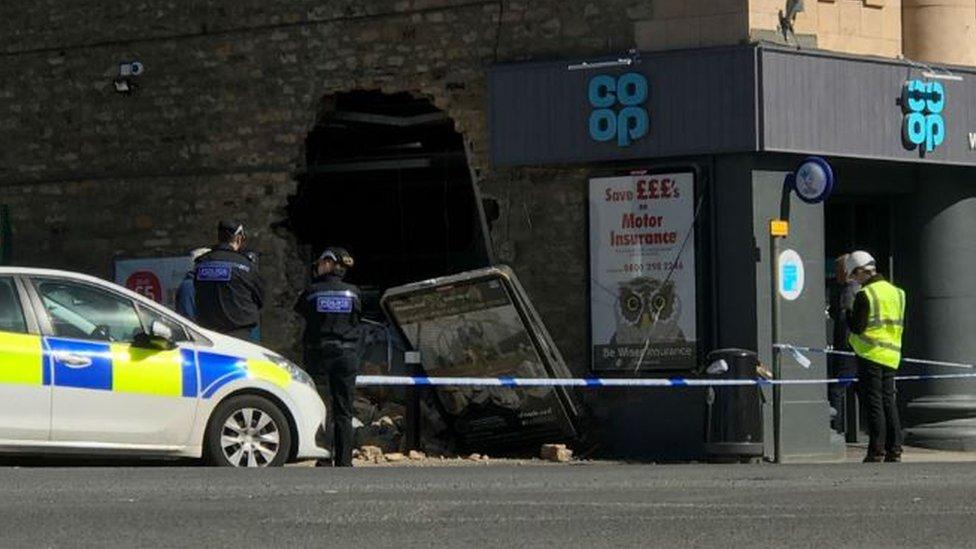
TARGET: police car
(88,367)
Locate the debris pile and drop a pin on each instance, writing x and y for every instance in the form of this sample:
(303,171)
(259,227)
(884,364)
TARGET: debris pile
(378,426)
(373,455)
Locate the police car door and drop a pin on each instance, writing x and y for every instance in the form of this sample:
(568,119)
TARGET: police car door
(25,386)
(106,390)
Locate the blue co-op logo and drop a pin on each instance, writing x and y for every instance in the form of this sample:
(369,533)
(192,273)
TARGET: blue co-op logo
(923,103)
(618,111)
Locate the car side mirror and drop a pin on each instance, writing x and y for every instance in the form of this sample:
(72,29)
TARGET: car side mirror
(162,331)
(159,338)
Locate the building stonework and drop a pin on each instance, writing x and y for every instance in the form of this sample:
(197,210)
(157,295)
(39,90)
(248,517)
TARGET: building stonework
(217,124)
(867,27)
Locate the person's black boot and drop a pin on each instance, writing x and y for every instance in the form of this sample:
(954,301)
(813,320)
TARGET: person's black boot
(893,457)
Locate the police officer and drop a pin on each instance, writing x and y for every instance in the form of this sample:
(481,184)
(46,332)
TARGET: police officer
(227,286)
(186,304)
(331,309)
(877,322)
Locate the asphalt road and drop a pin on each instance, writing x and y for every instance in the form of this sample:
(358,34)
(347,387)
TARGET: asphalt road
(930,505)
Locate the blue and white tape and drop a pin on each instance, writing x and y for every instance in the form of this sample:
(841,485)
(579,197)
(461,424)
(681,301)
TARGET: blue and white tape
(795,350)
(592,383)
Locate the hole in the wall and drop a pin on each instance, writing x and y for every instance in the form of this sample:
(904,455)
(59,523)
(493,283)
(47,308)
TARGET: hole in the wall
(387,177)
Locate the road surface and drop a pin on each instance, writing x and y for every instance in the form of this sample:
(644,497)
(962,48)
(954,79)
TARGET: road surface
(581,505)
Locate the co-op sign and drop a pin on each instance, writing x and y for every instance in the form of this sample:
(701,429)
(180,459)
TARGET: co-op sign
(924,125)
(618,108)
(618,111)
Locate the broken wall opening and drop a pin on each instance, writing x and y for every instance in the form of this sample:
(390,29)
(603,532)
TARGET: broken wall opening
(387,178)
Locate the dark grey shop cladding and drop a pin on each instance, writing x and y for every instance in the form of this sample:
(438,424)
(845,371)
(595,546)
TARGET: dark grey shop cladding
(744,116)
(743,99)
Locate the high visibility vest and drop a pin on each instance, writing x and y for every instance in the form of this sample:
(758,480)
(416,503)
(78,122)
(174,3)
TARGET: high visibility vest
(881,340)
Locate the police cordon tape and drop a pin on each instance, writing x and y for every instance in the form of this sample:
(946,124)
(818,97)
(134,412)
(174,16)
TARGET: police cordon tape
(592,383)
(794,349)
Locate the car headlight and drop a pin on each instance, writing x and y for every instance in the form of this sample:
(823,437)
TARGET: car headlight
(294,370)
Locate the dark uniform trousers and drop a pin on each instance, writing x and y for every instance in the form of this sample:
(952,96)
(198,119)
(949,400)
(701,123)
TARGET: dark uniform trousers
(336,365)
(877,384)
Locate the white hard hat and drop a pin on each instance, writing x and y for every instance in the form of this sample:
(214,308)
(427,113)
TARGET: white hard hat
(197,253)
(857,260)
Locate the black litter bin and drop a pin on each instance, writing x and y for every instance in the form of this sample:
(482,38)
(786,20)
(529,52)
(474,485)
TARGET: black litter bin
(734,419)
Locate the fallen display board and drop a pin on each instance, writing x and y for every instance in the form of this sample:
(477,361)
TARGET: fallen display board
(481,323)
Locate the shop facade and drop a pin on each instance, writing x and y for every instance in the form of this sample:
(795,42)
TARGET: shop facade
(686,153)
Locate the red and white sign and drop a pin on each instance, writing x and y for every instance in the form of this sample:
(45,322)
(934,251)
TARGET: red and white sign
(157,278)
(147,284)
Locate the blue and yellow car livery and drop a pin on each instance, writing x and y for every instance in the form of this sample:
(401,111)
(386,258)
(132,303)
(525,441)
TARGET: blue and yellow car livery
(36,360)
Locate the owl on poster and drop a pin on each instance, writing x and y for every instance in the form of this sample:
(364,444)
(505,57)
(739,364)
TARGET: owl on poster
(647,309)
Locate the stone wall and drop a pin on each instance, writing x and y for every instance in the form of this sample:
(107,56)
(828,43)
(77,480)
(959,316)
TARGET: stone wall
(676,24)
(940,32)
(867,27)
(83,225)
(217,124)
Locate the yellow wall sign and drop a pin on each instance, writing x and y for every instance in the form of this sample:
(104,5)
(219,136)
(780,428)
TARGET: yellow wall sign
(779,227)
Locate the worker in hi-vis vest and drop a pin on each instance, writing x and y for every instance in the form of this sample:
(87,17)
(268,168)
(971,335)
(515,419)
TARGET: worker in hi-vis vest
(877,322)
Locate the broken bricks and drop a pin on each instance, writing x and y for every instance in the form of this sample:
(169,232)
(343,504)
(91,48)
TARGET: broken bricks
(371,454)
(556,452)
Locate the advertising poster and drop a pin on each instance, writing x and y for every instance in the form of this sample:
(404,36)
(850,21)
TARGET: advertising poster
(473,329)
(154,277)
(642,285)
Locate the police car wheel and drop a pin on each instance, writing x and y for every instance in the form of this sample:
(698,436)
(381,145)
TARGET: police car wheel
(248,431)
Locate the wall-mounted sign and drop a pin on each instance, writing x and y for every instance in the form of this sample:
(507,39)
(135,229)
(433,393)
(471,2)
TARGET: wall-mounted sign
(923,103)
(642,272)
(813,180)
(705,102)
(145,283)
(618,110)
(791,275)
(157,278)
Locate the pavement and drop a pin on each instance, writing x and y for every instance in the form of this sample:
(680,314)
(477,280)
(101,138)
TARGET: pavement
(493,505)
(912,454)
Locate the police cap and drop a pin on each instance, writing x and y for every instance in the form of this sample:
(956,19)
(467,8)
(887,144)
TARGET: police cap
(338,255)
(230,227)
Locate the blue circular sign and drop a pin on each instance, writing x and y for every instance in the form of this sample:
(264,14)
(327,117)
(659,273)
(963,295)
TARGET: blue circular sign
(813,180)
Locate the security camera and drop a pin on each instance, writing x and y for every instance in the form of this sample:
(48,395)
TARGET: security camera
(134,68)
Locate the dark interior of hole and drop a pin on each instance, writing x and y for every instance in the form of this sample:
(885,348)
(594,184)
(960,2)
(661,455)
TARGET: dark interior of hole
(387,178)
